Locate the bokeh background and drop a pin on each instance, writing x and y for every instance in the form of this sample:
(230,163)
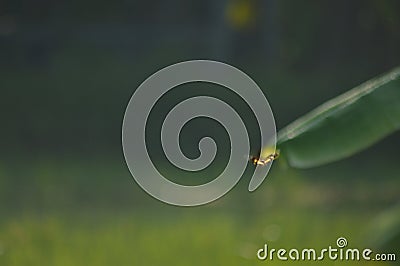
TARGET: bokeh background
(67,72)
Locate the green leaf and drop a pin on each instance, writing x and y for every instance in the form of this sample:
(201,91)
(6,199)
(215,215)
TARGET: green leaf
(344,125)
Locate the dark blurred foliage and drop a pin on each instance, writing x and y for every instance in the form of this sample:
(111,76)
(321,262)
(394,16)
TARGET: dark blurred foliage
(68,68)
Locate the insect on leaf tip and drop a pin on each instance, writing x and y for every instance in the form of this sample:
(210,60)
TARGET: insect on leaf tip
(256,160)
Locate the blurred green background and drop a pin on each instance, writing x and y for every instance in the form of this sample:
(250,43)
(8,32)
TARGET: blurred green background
(68,70)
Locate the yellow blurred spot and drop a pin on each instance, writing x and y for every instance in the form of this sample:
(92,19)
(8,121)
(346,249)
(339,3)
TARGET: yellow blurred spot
(240,13)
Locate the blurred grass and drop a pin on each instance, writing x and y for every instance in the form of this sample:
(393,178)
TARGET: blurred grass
(76,211)
(212,238)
